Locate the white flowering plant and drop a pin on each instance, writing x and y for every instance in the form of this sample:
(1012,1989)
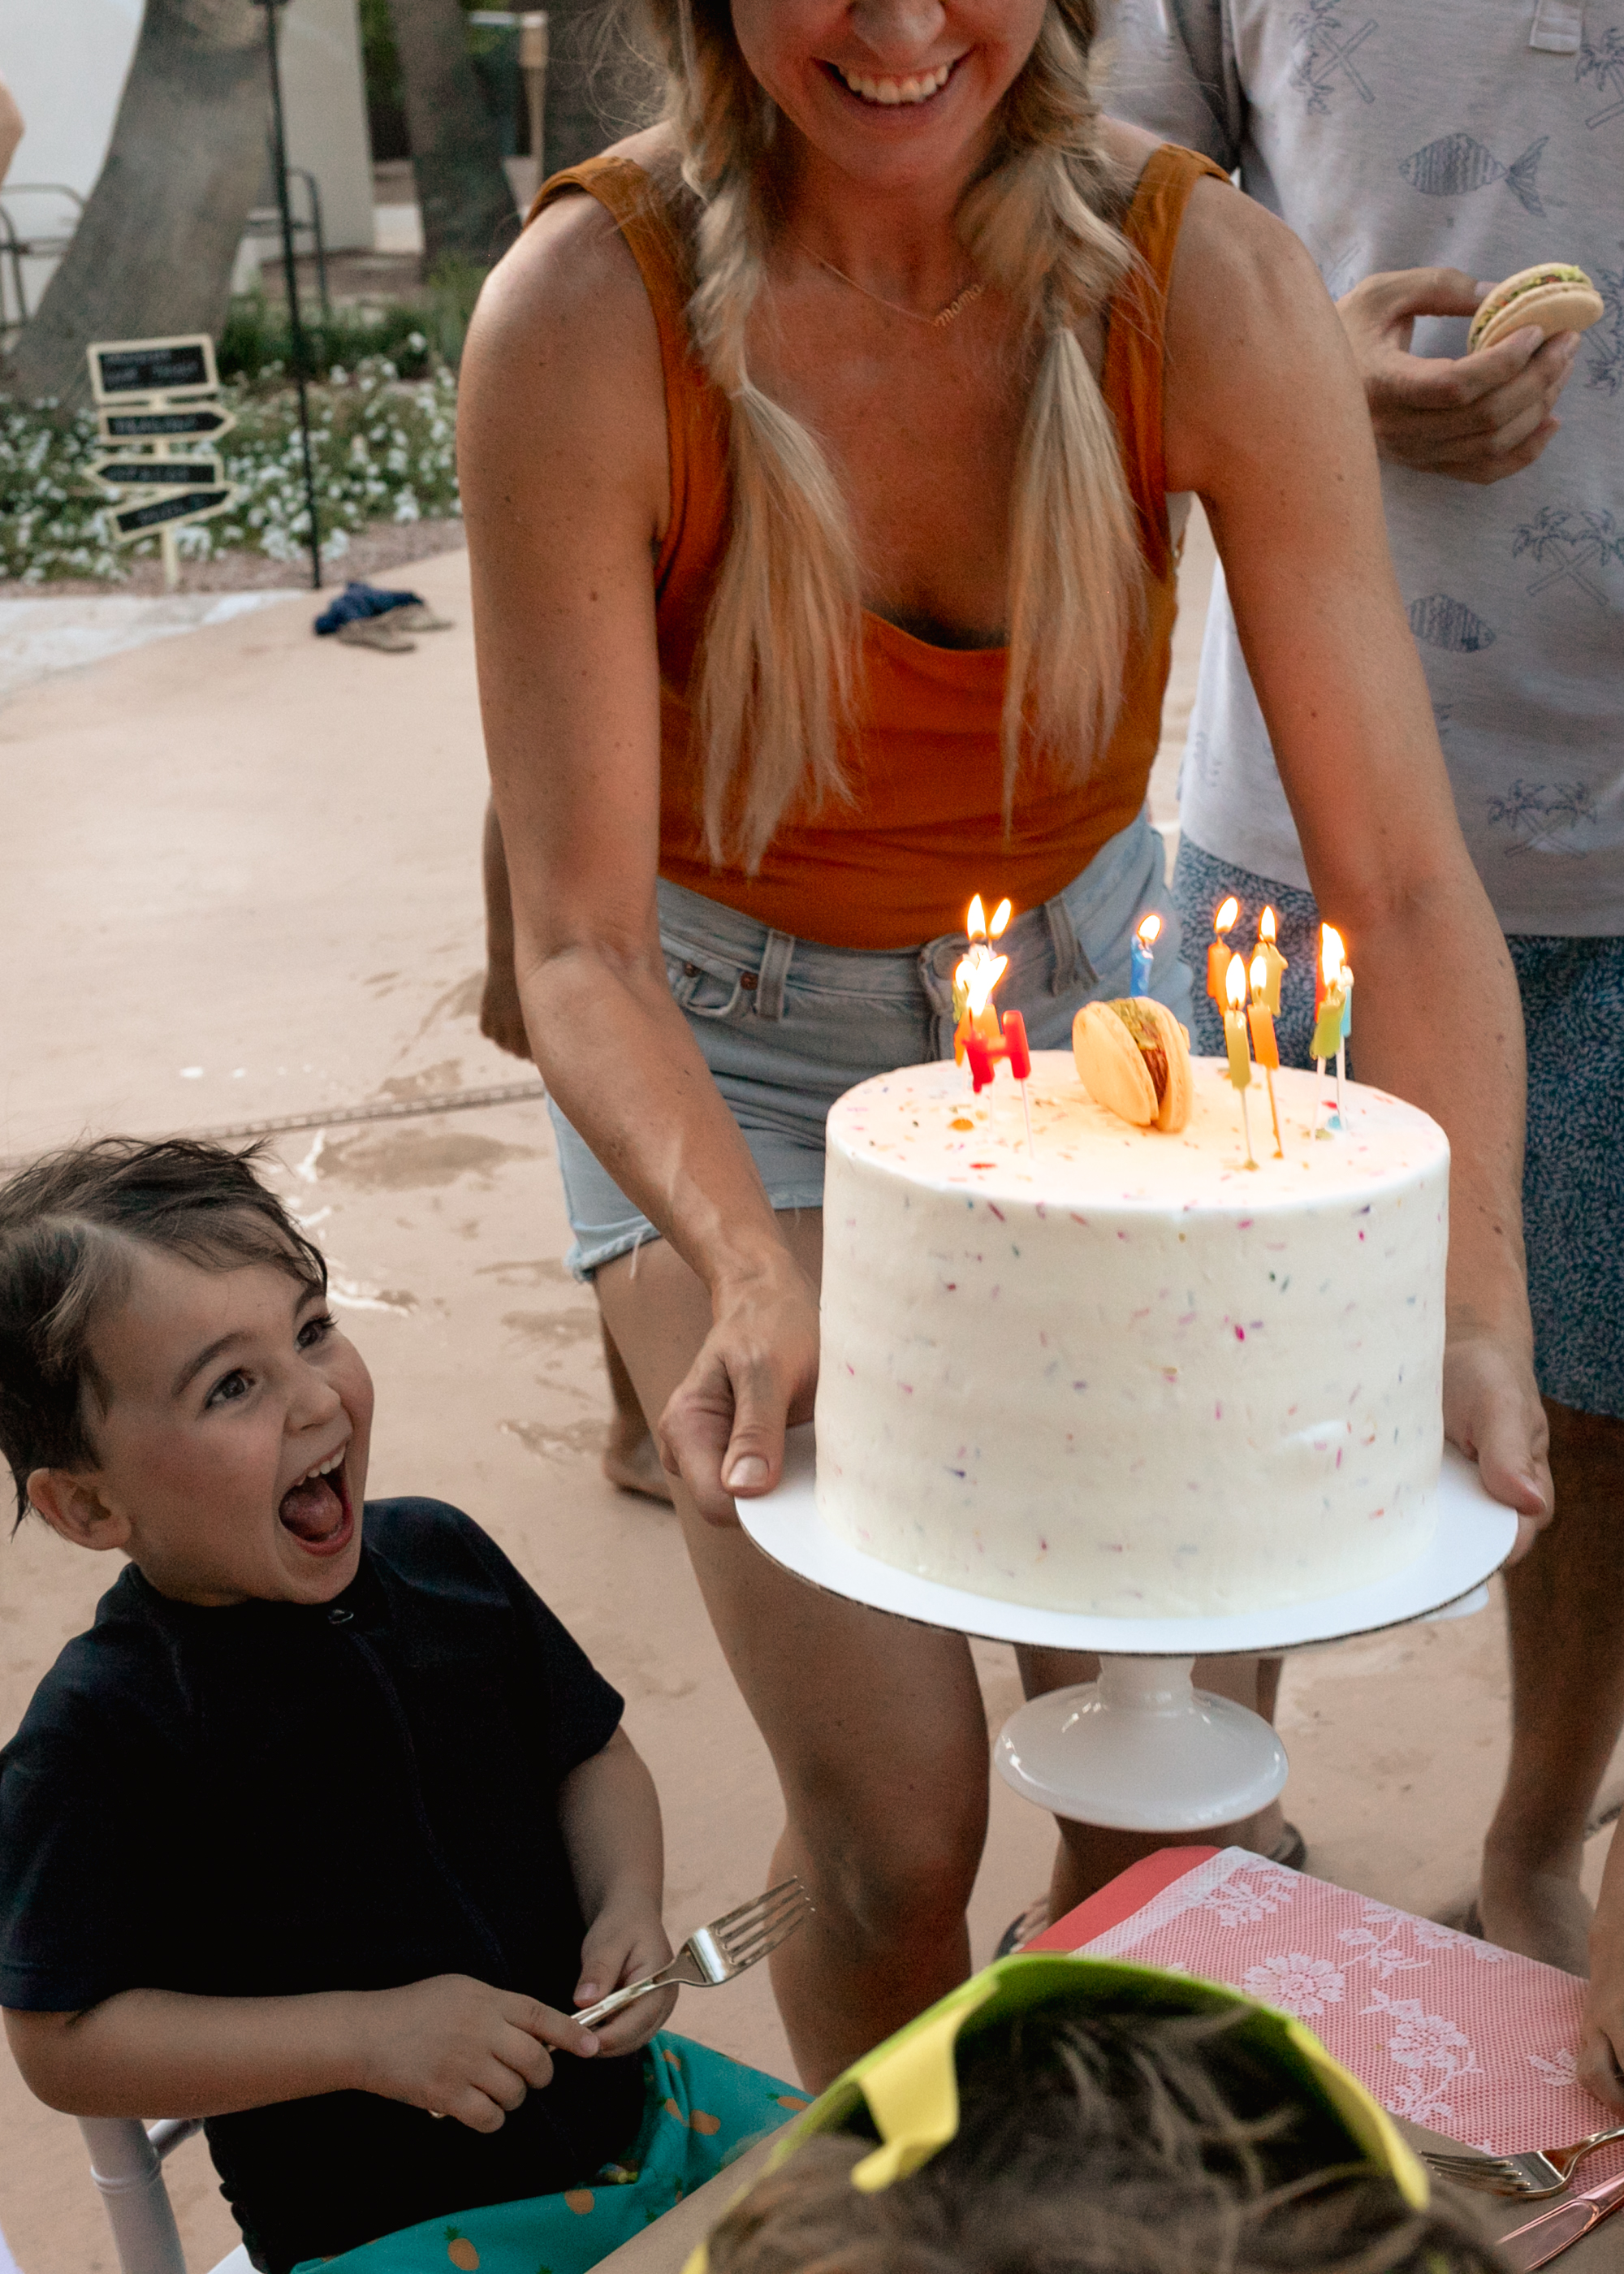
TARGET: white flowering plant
(382,448)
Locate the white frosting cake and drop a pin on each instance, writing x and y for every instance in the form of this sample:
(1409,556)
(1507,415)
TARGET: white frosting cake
(1120,1373)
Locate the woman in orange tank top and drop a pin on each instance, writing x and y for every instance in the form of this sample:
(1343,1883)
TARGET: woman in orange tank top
(816,449)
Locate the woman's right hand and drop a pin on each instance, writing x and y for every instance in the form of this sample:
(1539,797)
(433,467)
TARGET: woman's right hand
(722,1431)
(501,1013)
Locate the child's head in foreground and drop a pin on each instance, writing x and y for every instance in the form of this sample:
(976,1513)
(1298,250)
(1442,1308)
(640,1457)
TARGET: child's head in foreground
(1102,2143)
(171,1381)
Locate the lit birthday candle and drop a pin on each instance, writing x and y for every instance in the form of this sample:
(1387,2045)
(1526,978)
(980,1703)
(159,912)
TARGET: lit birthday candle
(1235,1042)
(1145,940)
(1333,981)
(978,972)
(1227,914)
(1265,1047)
(978,1034)
(1274,963)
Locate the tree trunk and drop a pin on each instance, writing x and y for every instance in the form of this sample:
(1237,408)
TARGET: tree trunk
(467,204)
(155,250)
(594,94)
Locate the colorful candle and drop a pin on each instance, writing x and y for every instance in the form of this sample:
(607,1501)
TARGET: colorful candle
(978,1034)
(1145,938)
(1331,985)
(1265,1046)
(1275,964)
(1226,915)
(1235,1042)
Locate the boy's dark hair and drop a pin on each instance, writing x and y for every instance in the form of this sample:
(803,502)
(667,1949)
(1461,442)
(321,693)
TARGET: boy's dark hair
(1120,2144)
(67,1224)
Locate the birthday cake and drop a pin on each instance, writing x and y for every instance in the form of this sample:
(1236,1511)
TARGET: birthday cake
(1111,1369)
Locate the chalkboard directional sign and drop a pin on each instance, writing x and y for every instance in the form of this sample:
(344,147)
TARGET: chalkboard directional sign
(120,369)
(158,473)
(157,390)
(173,511)
(163,426)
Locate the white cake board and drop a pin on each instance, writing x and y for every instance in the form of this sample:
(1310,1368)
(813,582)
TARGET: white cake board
(1140,1750)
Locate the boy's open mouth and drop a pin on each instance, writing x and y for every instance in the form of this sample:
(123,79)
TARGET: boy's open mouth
(317,1511)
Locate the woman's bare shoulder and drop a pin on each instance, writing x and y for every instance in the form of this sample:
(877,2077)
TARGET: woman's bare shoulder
(1249,326)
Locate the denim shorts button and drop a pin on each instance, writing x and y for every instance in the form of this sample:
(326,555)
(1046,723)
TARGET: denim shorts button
(749,980)
(690,971)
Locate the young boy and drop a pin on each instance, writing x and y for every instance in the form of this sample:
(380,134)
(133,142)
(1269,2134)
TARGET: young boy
(325,1825)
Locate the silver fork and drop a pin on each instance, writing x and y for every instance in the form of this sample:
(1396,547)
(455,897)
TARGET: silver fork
(713,1954)
(1528,2175)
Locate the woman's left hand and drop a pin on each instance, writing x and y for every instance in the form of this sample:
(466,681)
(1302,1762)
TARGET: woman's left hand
(1492,1412)
(623,1945)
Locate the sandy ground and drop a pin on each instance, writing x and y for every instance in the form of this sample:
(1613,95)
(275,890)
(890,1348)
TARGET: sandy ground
(253,891)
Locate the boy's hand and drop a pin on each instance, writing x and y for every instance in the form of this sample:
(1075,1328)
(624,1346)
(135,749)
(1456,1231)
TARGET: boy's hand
(459,2048)
(621,1945)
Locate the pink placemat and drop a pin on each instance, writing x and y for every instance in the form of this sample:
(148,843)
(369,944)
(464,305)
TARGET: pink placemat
(1454,2033)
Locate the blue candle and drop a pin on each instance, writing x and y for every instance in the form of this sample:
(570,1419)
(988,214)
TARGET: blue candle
(1143,954)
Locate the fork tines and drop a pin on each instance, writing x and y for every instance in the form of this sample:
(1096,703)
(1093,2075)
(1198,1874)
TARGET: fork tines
(756,1928)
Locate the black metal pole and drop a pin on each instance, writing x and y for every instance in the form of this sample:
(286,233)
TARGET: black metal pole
(296,325)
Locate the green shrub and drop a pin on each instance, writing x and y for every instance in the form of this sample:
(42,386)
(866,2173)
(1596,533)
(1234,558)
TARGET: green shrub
(383,447)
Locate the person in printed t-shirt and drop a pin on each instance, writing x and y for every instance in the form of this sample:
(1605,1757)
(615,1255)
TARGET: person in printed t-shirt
(1423,153)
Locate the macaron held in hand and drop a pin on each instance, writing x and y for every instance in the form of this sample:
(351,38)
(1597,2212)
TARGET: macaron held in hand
(1553,296)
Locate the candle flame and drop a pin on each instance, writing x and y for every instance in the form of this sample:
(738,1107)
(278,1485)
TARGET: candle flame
(1235,982)
(1259,977)
(978,974)
(1227,914)
(975,923)
(1330,954)
(1265,924)
(1001,916)
(1150,930)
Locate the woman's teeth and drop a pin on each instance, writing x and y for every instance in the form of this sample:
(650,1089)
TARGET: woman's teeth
(897,90)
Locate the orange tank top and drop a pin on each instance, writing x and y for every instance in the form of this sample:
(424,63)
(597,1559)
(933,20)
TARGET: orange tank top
(925,828)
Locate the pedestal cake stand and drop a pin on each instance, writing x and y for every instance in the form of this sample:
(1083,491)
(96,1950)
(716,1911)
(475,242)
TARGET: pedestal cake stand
(1140,1749)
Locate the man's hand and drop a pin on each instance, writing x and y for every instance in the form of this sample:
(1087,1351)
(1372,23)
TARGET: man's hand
(1476,419)
(1492,1412)
(623,1945)
(459,2048)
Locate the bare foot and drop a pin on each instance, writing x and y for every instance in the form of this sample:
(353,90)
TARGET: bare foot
(1542,1914)
(635,1467)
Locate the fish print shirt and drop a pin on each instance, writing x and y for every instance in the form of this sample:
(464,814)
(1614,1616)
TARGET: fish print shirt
(1487,138)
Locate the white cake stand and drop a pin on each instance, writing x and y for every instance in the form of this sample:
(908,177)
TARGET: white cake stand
(1140,1749)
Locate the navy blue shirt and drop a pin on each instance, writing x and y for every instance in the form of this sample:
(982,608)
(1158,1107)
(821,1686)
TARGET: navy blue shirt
(275,1798)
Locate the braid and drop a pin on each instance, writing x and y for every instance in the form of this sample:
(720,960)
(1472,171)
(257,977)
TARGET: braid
(783,640)
(1034,224)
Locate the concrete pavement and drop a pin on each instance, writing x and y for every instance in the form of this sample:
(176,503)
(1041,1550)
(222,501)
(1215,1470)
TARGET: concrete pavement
(245,884)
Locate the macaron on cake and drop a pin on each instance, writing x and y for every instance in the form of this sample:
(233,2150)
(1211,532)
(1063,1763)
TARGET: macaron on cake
(1133,1058)
(1556,297)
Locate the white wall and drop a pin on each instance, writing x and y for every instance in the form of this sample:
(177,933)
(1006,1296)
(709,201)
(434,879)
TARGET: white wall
(65,61)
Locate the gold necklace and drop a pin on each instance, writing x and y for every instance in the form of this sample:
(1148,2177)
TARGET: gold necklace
(939,322)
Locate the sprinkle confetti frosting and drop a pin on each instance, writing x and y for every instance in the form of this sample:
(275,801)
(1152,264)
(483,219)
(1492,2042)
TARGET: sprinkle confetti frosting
(1117,1372)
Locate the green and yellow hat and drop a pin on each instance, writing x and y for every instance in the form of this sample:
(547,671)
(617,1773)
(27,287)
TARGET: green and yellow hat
(909,2085)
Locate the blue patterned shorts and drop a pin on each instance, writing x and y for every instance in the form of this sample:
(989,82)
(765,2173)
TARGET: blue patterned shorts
(1573,1178)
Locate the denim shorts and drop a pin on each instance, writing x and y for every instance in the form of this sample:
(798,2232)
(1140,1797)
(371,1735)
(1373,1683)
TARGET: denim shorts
(1573,1176)
(788,1025)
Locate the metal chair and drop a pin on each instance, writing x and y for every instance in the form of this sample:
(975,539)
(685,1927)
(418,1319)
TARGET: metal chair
(16,247)
(266,220)
(126,2162)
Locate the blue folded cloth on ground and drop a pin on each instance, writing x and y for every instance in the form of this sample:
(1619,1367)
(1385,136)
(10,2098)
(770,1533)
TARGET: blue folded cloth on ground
(358,599)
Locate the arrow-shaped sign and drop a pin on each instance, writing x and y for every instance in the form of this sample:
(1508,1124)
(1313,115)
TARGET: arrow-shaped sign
(156,425)
(171,512)
(199,472)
